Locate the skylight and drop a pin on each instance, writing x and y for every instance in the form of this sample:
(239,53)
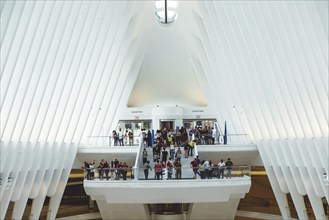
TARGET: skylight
(166,10)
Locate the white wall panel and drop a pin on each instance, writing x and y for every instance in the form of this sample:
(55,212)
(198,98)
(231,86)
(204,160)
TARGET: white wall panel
(6,8)
(7,39)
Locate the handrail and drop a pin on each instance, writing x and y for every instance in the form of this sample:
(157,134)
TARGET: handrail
(138,157)
(238,172)
(110,138)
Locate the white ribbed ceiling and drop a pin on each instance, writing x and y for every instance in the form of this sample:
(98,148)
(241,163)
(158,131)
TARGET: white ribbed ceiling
(68,68)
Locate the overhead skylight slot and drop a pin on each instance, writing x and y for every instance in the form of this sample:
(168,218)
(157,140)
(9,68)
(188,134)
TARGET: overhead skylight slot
(166,10)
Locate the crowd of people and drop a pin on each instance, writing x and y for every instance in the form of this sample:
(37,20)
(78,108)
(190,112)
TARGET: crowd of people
(115,170)
(206,169)
(201,136)
(169,163)
(181,143)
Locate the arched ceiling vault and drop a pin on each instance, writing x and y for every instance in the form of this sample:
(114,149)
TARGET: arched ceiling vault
(69,68)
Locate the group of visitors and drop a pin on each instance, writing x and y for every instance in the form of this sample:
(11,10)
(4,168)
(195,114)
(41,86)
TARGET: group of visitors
(171,136)
(114,170)
(122,138)
(164,168)
(205,168)
(202,136)
(162,165)
(164,162)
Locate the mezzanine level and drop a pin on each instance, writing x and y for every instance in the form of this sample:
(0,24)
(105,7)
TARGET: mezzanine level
(137,194)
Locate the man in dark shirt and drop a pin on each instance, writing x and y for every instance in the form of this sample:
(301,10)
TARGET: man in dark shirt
(228,165)
(147,167)
(195,167)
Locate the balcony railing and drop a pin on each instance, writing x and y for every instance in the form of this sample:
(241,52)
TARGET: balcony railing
(109,141)
(174,173)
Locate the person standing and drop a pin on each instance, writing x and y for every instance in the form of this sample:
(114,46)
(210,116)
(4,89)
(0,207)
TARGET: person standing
(115,137)
(87,168)
(101,169)
(170,168)
(119,170)
(144,137)
(106,169)
(186,148)
(164,154)
(145,155)
(191,146)
(112,170)
(178,168)
(178,154)
(158,170)
(120,136)
(228,165)
(92,170)
(211,168)
(124,171)
(221,167)
(190,134)
(131,138)
(147,167)
(149,139)
(172,150)
(195,167)
(206,169)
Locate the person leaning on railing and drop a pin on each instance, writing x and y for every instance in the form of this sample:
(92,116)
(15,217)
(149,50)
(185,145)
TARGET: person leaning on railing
(106,167)
(101,169)
(92,170)
(112,170)
(87,168)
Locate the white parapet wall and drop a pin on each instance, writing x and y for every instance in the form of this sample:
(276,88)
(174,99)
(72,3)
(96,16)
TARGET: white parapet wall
(34,171)
(218,193)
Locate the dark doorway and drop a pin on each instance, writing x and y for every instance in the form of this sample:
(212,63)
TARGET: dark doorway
(167,124)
